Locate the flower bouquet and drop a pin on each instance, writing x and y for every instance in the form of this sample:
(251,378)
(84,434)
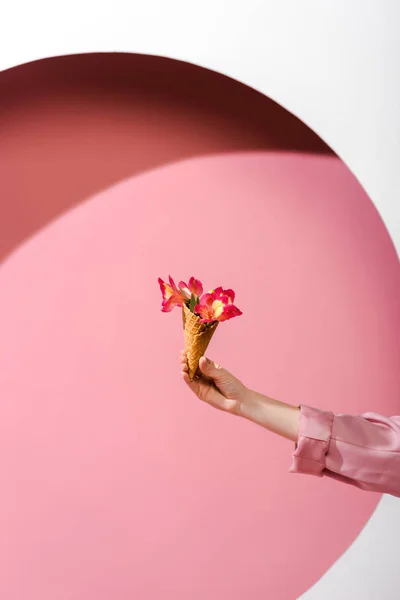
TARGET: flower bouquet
(201,314)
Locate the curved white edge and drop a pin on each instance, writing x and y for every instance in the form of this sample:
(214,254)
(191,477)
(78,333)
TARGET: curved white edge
(369,570)
(334,65)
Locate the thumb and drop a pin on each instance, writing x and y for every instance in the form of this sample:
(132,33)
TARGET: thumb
(231,388)
(213,370)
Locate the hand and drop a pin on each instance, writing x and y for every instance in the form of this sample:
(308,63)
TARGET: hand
(221,389)
(215,385)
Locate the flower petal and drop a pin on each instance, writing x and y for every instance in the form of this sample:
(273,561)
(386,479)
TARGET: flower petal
(184,289)
(217,308)
(171,303)
(172,296)
(172,284)
(229,312)
(166,289)
(196,287)
(230,294)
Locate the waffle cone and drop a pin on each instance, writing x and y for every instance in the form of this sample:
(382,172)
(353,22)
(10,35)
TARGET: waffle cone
(197,338)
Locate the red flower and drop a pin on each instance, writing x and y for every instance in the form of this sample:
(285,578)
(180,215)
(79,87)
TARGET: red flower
(217,305)
(194,288)
(172,296)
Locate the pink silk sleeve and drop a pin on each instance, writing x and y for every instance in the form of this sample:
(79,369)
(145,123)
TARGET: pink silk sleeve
(363,451)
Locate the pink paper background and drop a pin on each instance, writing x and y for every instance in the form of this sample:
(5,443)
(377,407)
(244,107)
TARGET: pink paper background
(117,483)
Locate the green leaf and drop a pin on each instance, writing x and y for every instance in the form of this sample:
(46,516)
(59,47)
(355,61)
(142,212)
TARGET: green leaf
(192,303)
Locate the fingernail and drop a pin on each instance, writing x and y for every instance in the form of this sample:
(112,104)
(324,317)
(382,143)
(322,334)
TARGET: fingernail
(208,362)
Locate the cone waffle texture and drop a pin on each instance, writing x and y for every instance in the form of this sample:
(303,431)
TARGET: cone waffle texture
(197,338)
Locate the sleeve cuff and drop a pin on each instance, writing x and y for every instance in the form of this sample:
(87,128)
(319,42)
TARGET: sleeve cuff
(315,432)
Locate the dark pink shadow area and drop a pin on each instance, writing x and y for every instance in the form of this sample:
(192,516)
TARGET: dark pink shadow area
(72,126)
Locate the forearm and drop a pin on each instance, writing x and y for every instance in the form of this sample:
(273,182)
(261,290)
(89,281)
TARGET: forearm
(361,450)
(278,417)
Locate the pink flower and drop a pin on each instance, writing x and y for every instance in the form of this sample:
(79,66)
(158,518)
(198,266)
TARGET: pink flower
(220,292)
(217,305)
(172,296)
(194,288)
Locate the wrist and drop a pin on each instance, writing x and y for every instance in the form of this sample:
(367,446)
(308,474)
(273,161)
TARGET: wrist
(253,407)
(275,416)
